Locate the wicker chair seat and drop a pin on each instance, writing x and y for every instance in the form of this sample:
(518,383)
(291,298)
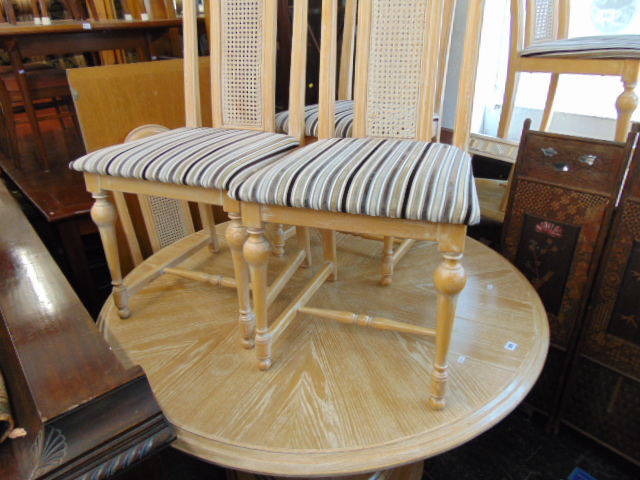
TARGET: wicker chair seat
(600,46)
(387,178)
(200,157)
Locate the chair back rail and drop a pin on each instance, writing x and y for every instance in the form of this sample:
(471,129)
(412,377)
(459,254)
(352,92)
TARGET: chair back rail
(347,52)
(468,72)
(297,82)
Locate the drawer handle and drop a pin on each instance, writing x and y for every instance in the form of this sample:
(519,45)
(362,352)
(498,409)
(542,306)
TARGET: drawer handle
(561,166)
(588,159)
(549,152)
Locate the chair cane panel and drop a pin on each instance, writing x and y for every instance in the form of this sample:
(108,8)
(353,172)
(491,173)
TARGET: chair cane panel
(395,62)
(544,26)
(167,220)
(242,89)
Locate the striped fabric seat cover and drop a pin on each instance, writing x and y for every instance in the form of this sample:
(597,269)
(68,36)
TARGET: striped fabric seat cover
(601,46)
(344,120)
(201,157)
(387,178)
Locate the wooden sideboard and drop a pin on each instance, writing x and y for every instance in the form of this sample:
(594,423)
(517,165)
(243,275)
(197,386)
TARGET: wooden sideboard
(84,413)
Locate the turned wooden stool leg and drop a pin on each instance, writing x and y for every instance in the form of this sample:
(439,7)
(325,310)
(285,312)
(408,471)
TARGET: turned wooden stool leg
(236,236)
(278,240)
(304,243)
(330,252)
(256,253)
(387,261)
(627,102)
(104,214)
(450,279)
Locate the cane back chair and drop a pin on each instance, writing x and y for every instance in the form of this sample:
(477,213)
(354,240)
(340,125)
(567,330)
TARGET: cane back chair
(389,180)
(195,163)
(538,44)
(394,249)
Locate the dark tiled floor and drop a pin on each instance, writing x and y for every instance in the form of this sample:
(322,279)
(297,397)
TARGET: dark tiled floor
(518,448)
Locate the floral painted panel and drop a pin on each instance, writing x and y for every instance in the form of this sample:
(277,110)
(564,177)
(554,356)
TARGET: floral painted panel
(545,255)
(625,321)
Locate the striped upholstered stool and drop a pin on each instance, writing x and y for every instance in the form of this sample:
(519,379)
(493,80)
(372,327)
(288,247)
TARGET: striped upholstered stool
(197,164)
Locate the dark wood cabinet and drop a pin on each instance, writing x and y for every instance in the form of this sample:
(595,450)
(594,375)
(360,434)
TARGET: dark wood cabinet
(84,413)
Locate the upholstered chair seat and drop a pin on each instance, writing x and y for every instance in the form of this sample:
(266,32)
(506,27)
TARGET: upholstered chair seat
(600,46)
(404,179)
(199,157)
(343,120)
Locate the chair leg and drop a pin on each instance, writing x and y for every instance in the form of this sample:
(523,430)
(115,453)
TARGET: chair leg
(12,135)
(56,105)
(9,125)
(304,243)
(74,117)
(256,253)
(627,102)
(209,226)
(104,215)
(450,279)
(387,261)
(508,103)
(547,114)
(330,252)
(236,236)
(278,240)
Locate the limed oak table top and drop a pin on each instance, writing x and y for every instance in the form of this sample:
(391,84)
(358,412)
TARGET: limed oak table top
(338,399)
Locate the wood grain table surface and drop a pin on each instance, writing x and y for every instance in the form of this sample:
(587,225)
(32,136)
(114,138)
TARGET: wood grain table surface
(338,400)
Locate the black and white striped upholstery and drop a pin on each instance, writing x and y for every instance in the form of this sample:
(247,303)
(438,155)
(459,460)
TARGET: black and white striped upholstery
(601,46)
(387,178)
(343,125)
(201,157)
